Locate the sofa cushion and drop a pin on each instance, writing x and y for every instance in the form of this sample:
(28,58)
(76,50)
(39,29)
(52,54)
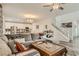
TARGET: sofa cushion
(5,38)
(4,49)
(31,52)
(12,45)
(20,40)
(28,43)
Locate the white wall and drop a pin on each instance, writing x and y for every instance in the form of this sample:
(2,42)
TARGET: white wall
(70,17)
(42,24)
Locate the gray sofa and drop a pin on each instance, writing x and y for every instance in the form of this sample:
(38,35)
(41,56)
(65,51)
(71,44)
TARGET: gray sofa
(7,46)
(5,49)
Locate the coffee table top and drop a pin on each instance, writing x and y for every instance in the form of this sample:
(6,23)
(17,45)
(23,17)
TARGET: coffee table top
(47,47)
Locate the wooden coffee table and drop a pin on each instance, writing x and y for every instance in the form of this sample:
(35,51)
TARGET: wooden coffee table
(49,49)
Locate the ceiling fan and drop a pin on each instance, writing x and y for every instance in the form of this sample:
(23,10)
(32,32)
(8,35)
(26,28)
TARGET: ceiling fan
(55,6)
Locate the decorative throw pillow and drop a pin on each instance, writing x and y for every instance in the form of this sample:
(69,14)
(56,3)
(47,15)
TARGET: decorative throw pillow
(20,47)
(12,46)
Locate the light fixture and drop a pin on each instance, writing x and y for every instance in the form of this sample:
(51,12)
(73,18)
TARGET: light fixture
(54,6)
(30,18)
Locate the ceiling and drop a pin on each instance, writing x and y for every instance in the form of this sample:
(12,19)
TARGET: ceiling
(18,10)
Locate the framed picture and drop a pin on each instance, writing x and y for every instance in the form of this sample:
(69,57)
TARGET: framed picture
(67,25)
(46,26)
(37,26)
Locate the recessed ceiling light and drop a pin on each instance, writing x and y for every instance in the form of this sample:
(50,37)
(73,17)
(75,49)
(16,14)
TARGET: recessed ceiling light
(30,16)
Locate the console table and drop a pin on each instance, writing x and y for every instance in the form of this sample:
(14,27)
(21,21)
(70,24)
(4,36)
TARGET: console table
(49,49)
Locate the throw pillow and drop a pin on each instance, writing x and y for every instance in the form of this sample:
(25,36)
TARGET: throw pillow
(20,47)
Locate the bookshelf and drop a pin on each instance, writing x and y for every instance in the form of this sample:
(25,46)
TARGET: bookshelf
(16,30)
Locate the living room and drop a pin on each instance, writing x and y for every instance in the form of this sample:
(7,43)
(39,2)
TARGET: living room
(39,29)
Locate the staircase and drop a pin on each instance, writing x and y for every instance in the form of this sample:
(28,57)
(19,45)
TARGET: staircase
(65,40)
(61,34)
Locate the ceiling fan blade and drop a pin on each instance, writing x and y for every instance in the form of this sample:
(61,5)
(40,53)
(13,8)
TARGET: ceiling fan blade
(51,10)
(62,3)
(61,8)
(46,6)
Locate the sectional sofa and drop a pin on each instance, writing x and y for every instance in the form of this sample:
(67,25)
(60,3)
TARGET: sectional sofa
(7,48)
